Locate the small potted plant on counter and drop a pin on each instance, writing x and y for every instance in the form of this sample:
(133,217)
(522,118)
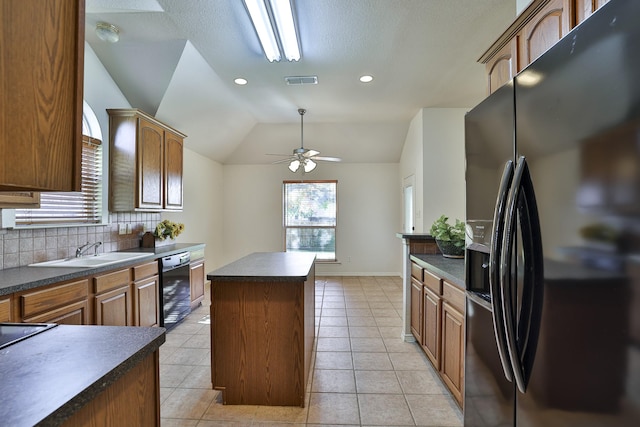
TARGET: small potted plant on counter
(449,238)
(165,232)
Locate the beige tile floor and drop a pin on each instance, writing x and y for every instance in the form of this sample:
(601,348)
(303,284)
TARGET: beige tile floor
(363,373)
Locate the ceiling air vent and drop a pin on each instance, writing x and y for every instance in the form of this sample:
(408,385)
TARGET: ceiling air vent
(301,80)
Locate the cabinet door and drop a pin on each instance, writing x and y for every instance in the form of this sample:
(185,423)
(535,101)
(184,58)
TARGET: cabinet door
(150,186)
(173,147)
(452,362)
(196,278)
(431,328)
(544,30)
(146,302)
(113,308)
(585,8)
(416,309)
(19,200)
(41,68)
(502,67)
(5,309)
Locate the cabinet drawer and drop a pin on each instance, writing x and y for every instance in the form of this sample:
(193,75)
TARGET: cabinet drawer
(416,271)
(111,280)
(454,295)
(47,299)
(145,270)
(433,282)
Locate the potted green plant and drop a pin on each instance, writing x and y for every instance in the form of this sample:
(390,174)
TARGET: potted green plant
(449,238)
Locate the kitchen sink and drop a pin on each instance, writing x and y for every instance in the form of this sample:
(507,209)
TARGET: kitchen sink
(11,333)
(92,260)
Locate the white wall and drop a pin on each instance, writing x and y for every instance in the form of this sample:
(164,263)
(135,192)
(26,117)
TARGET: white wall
(369,214)
(411,164)
(202,213)
(444,164)
(521,5)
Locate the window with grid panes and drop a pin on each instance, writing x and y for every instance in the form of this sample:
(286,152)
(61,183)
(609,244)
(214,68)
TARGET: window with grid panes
(310,217)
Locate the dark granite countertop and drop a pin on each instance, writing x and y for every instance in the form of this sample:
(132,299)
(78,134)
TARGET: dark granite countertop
(450,269)
(23,278)
(280,266)
(48,377)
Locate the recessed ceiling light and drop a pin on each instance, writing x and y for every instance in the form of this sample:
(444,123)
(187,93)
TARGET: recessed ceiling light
(366,78)
(107,32)
(240,81)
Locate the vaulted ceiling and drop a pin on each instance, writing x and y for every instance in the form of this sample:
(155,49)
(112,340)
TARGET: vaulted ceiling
(177,59)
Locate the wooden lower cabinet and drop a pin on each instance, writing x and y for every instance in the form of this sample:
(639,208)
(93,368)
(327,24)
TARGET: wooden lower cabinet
(65,303)
(440,312)
(452,365)
(196,278)
(113,299)
(146,295)
(432,307)
(133,400)
(416,309)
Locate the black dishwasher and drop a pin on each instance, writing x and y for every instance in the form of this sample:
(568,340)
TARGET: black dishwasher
(175,292)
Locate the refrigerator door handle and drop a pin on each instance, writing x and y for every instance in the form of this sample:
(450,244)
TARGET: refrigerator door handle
(497,310)
(522,342)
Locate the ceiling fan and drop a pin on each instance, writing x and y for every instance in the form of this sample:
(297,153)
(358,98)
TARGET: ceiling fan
(303,156)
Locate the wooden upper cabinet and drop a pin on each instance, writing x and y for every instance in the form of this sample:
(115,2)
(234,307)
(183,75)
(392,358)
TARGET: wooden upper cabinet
(585,8)
(145,158)
(502,67)
(41,80)
(546,28)
(150,187)
(173,148)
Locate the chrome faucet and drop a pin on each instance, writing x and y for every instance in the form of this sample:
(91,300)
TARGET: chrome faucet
(84,248)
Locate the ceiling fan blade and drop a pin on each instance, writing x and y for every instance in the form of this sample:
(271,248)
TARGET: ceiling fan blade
(288,159)
(328,159)
(310,153)
(279,155)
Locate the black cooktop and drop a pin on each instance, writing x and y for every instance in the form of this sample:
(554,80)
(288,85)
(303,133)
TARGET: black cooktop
(10,333)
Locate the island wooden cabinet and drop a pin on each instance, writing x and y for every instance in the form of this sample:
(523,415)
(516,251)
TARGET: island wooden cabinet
(63,303)
(146,157)
(113,298)
(41,73)
(5,309)
(441,334)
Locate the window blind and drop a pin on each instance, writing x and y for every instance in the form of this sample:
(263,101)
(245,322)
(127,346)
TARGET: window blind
(83,207)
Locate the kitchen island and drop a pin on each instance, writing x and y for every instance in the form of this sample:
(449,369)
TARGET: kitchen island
(263,328)
(82,375)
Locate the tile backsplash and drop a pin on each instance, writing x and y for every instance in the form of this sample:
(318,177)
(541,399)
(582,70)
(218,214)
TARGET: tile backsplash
(22,247)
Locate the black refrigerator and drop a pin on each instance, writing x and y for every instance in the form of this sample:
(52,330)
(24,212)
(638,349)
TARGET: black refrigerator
(553,235)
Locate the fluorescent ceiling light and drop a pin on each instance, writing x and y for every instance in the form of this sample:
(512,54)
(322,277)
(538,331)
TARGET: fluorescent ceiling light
(281,32)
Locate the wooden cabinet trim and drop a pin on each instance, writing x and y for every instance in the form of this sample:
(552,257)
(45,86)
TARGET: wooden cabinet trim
(108,281)
(145,270)
(34,302)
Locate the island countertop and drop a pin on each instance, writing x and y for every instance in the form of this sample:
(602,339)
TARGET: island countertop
(258,266)
(49,376)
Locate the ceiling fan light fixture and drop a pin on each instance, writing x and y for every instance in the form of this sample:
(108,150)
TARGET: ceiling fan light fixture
(294,165)
(107,32)
(309,165)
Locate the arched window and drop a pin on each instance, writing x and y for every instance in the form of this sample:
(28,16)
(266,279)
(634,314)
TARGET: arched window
(74,208)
